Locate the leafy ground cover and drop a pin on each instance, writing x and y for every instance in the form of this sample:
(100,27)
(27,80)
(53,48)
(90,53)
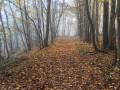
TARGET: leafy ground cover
(68,64)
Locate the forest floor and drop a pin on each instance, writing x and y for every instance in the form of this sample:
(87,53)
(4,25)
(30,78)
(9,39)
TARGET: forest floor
(67,64)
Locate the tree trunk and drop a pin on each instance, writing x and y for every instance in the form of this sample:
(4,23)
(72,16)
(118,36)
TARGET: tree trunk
(105,24)
(112,25)
(47,23)
(118,28)
(4,34)
(91,25)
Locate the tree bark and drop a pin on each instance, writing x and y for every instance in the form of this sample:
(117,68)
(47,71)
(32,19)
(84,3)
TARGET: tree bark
(91,25)
(105,24)
(112,25)
(118,28)
(47,23)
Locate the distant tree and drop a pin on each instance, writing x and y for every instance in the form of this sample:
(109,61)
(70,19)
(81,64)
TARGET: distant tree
(3,30)
(1,57)
(10,32)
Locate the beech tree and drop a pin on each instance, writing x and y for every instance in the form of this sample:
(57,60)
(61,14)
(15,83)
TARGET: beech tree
(118,28)
(105,23)
(47,23)
(112,25)
(91,25)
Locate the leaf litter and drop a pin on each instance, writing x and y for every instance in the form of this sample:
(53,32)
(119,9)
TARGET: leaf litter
(67,64)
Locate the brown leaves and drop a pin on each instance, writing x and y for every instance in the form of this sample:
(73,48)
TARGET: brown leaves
(61,66)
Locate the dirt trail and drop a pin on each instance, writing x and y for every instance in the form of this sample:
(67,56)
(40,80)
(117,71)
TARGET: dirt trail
(57,67)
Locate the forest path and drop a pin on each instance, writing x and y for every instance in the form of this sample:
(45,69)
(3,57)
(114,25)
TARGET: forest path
(61,66)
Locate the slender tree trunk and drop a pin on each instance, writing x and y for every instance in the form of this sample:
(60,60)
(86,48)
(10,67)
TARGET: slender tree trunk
(96,22)
(47,23)
(91,25)
(4,33)
(10,33)
(27,27)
